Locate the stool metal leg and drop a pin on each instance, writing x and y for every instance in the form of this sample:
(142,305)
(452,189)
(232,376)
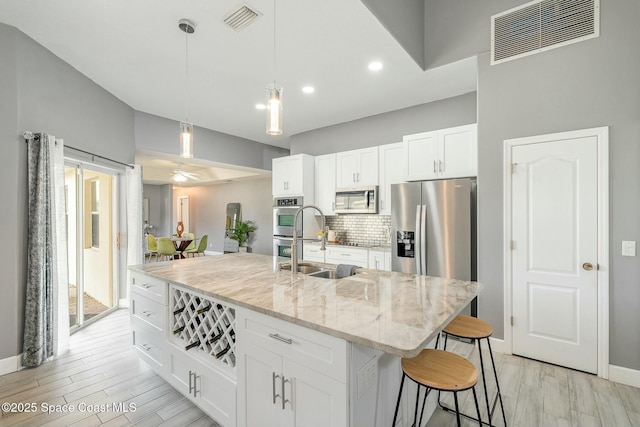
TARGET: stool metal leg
(455,399)
(475,400)
(395,415)
(415,414)
(484,383)
(495,373)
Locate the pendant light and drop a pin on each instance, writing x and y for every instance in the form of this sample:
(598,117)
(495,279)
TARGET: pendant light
(186,128)
(274,92)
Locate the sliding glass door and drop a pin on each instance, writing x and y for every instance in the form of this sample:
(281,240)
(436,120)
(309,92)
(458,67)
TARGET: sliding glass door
(91,198)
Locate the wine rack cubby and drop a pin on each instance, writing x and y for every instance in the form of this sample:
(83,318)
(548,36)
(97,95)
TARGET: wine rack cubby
(200,323)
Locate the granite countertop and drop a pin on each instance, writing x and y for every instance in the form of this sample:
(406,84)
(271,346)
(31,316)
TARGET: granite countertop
(393,312)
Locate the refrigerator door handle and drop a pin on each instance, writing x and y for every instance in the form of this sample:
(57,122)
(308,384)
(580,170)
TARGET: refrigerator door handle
(417,244)
(423,240)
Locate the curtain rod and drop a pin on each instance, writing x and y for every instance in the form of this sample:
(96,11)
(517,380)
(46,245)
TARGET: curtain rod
(28,135)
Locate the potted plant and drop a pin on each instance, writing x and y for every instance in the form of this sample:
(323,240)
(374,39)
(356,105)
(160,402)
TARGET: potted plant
(241,232)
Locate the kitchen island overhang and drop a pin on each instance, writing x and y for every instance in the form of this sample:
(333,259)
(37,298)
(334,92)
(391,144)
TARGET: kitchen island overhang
(396,313)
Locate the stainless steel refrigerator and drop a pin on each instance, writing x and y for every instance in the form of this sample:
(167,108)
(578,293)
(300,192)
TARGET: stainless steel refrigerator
(433,229)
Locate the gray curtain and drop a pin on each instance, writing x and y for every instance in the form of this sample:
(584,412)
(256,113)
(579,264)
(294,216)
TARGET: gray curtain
(39,321)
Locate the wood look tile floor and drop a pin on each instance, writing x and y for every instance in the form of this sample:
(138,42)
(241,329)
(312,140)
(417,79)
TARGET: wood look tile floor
(102,368)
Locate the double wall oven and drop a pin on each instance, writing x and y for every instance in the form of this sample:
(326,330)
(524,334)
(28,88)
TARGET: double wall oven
(284,212)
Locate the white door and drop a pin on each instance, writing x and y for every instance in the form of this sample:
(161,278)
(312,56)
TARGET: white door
(554,207)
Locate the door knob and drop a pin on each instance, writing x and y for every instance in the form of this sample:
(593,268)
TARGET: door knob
(587,266)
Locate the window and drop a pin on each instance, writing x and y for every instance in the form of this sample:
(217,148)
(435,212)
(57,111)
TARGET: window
(95,213)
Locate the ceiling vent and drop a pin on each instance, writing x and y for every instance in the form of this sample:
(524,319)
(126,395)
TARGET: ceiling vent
(542,25)
(240,18)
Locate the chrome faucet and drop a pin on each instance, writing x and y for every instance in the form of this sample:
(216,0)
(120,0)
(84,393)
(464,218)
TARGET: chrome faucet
(294,244)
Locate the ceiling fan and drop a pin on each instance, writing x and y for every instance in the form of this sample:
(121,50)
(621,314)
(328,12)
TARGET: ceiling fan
(179,175)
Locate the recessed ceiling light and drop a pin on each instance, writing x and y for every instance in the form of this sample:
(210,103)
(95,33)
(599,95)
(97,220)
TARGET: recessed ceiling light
(375,66)
(308,89)
(260,106)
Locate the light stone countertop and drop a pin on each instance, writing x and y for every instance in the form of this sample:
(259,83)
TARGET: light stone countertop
(396,313)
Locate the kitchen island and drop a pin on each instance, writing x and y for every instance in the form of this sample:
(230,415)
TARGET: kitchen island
(254,345)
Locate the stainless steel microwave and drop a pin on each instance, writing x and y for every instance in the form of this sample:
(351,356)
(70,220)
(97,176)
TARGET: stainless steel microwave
(362,200)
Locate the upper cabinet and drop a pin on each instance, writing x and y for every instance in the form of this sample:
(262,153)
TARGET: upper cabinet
(325,183)
(293,176)
(357,168)
(446,153)
(391,172)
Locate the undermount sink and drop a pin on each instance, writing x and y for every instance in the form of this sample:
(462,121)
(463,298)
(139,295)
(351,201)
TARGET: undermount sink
(304,268)
(325,274)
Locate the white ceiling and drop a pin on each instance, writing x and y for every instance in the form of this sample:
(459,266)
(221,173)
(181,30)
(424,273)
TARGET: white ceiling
(135,50)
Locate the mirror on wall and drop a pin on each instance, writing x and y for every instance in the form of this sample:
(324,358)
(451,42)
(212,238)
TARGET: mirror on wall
(234,214)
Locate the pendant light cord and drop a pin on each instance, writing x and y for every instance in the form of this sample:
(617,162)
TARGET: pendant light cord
(274,43)
(186,75)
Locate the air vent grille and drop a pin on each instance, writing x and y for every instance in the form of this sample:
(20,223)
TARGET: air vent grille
(542,25)
(241,17)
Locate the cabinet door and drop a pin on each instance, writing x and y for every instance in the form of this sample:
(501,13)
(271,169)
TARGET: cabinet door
(458,152)
(391,172)
(313,253)
(367,173)
(346,167)
(421,151)
(316,400)
(295,178)
(325,183)
(279,176)
(258,388)
(387,261)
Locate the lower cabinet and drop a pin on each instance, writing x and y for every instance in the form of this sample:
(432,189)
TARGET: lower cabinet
(313,253)
(212,391)
(345,255)
(280,377)
(380,260)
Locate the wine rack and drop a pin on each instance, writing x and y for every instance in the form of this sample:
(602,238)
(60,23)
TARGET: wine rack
(200,323)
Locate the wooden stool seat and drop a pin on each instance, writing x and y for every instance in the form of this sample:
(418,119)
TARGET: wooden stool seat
(469,327)
(441,370)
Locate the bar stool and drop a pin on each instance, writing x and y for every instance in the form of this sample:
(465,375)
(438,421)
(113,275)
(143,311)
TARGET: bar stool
(442,371)
(475,329)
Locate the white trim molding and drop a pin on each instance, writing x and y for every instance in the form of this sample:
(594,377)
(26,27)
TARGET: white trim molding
(626,376)
(497,345)
(10,364)
(602,134)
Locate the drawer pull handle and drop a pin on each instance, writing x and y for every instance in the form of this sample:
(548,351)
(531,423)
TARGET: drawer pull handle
(146,285)
(147,347)
(279,338)
(274,376)
(146,313)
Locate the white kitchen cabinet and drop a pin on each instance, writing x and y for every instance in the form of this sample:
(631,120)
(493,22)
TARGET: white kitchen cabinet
(357,168)
(380,260)
(289,376)
(211,390)
(293,176)
(325,183)
(392,158)
(347,255)
(446,153)
(312,252)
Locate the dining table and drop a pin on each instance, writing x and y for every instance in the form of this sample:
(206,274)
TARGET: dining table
(181,244)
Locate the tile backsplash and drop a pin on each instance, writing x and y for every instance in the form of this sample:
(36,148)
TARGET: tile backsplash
(365,230)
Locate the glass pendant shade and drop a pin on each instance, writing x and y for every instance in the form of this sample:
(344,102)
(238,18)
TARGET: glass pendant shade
(186,140)
(274,110)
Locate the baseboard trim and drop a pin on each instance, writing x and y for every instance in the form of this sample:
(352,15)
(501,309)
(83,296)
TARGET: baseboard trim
(213,253)
(10,364)
(625,376)
(497,345)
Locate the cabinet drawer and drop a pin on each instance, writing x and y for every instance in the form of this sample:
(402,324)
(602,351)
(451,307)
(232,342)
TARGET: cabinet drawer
(149,343)
(149,311)
(347,256)
(313,253)
(318,351)
(150,287)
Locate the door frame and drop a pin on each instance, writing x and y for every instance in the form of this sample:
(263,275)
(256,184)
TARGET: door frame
(602,134)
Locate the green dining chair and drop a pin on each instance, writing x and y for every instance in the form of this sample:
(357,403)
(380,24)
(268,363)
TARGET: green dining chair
(152,246)
(192,245)
(166,248)
(201,247)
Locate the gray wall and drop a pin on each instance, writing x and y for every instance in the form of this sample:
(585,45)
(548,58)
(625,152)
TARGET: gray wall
(208,204)
(405,23)
(40,92)
(160,208)
(588,84)
(388,127)
(158,134)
